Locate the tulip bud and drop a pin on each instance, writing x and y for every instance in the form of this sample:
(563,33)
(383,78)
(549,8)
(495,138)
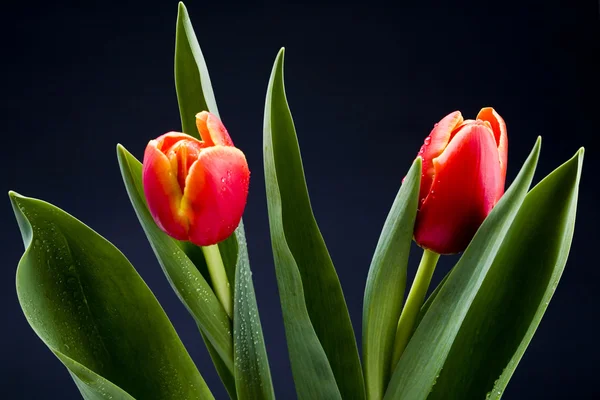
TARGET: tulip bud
(196,189)
(464,169)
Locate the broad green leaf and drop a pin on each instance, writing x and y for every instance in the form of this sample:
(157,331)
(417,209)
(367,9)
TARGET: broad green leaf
(195,94)
(90,307)
(321,343)
(424,357)
(516,291)
(194,91)
(185,278)
(384,292)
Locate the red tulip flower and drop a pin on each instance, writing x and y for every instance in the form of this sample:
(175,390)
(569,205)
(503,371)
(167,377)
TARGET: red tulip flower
(464,169)
(196,189)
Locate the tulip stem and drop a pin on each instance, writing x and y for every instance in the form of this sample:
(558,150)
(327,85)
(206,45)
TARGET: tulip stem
(220,283)
(414,301)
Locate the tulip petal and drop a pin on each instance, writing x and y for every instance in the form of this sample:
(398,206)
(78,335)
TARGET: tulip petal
(499,128)
(168,140)
(211,129)
(162,191)
(182,156)
(467,177)
(434,145)
(215,194)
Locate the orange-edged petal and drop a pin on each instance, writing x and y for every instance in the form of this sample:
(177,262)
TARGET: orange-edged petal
(211,129)
(499,128)
(162,192)
(433,146)
(215,194)
(467,177)
(165,142)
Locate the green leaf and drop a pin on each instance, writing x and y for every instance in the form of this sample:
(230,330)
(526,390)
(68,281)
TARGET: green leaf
(192,82)
(430,300)
(225,374)
(424,357)
(508,307)
(185,279)
(185,267)
(321,343)
(386,282)
(90,307)
(195,94)
(253,377)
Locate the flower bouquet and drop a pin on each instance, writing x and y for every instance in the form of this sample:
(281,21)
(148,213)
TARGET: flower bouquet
(88,304)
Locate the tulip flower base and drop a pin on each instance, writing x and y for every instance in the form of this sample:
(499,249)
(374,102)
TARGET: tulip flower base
(87,303)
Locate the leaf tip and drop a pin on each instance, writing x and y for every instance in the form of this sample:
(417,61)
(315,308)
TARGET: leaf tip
(535,152)
(13,195)
(280,57)
(418,162)
(579,156)
(24,225)
(120,152)
(16,199)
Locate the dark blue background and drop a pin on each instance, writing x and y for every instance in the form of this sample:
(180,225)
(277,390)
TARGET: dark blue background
(365,83)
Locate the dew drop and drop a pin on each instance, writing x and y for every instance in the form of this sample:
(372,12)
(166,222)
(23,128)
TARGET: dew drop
(427,140)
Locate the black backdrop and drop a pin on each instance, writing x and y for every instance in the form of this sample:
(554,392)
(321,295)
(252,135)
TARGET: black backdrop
(365,83)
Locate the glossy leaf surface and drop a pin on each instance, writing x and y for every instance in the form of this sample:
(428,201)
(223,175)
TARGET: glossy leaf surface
(90,307)
(424,357)
(194,94)
(516,291)
(386,282)
(175,258)
(194,91)
(321,343)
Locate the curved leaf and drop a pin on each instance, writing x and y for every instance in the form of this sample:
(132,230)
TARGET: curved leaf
(185,278)
(320,338)
(252,374)
(516,291)
(95,313)
(386,282)
(427,350)
(194,94)
(224,373)
(430,300)
(192,82)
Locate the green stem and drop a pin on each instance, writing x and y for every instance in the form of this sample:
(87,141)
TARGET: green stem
(414,301)
(220,284)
